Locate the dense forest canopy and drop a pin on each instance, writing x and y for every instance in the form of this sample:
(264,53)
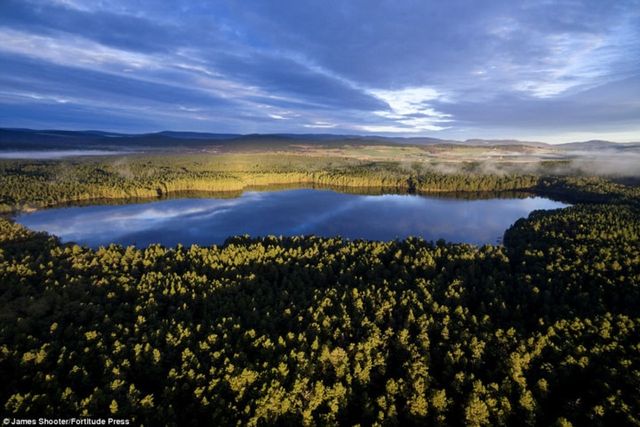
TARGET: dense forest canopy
(542,330)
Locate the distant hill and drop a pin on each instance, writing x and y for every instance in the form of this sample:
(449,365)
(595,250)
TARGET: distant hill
(29,139)
(195,135)
(599,145)
(500,142)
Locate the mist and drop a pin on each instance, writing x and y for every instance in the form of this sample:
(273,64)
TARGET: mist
(604,163)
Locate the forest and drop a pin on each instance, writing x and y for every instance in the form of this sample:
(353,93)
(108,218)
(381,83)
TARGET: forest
(542,330)
(32,184)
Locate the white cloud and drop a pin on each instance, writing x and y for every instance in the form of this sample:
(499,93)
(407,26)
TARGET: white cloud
(572,61)
(69,4)
(72,51)
(410,111)
(408,100)
(78,52)
(580,60)
(387,129)
(20,96)
(189,109)
(320,125)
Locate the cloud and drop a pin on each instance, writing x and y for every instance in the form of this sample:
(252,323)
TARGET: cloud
(594,113)
(73,18)
(447,69)
(290,78)
(320,125)
(75,51)
(410,110)
(535,49)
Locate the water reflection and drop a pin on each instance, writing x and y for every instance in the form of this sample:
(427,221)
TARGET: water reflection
(291,212)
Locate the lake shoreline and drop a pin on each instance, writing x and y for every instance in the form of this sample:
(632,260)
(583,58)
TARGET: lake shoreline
(288,212)
(230,194)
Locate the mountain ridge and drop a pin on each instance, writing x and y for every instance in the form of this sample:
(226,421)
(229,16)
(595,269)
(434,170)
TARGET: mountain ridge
(24,138)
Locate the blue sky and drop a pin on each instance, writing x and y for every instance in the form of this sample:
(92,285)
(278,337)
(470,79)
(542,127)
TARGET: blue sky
(546,70)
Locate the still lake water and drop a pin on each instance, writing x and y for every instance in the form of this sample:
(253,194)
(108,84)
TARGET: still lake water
(288,213)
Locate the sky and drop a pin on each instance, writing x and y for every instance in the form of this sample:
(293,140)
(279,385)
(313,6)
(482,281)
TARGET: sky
(553,71)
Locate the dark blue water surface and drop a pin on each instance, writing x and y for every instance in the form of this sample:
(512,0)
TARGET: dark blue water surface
(287,213)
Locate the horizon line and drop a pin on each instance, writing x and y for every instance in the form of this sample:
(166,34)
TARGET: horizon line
(326,134)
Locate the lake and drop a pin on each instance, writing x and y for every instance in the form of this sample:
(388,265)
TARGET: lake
(206,221)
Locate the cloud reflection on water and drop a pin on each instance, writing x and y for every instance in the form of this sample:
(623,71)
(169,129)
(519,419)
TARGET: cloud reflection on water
(290,212)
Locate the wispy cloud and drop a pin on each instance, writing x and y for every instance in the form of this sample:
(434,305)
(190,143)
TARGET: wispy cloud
(454,69)
(320,125)
(73,51)
(410,111)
